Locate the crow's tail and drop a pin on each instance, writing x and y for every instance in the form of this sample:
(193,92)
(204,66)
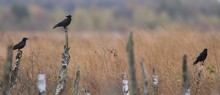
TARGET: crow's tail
(14,48)
(195,62)
(54,26)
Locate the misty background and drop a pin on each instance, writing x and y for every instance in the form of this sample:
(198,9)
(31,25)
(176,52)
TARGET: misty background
(108,15)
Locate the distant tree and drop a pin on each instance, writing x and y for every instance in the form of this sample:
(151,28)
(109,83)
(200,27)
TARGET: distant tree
(20,12)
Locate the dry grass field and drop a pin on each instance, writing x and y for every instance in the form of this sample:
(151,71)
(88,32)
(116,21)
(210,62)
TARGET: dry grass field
(103,58)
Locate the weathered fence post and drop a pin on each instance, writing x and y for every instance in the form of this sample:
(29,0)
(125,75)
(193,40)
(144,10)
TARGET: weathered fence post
(76,85)
(186,81)
(64,64)
(125,88)
(200,73)
(41,84)
(130,50)
(14,74)
(155,82)
(198,76)
(7,71)
(146,89)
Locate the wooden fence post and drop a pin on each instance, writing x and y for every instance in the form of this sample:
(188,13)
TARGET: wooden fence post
(146,89)
(14,75)
(155,82)
(64,64)
(186,81)
(132,78)
(7,71)
(76,85)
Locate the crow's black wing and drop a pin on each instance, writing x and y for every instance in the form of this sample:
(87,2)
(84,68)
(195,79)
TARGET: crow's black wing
(202,56)
(199,58)
(19,45)
(62,23)
(16,46)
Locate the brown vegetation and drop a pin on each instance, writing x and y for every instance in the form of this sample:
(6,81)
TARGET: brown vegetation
(102,58)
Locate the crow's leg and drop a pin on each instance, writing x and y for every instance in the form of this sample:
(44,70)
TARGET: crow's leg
(65,28)
(201,64)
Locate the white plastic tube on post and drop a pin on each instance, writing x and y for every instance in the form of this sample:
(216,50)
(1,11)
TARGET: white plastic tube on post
(41,84)
(125,84)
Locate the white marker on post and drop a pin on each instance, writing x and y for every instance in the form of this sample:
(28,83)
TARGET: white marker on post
(41,84)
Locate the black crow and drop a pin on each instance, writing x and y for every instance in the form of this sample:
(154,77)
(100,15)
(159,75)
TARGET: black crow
(201,57)
(64,23)
(21,44)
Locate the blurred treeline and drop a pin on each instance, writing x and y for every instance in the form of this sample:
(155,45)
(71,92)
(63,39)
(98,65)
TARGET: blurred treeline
(109,14)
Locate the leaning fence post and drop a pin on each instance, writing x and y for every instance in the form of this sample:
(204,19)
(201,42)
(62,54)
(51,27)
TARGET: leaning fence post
(64,64)
(14,74)
(155,82)
(130,50)
(186,81)
(146,89)
(7,71)
(41,84)
(125,84)
(76,85)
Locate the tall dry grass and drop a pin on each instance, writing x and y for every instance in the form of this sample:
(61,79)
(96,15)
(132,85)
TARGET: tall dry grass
(103,58)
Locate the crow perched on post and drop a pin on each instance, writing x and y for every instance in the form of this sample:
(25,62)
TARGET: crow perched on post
(21,44)
(64,23)
(201,57)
